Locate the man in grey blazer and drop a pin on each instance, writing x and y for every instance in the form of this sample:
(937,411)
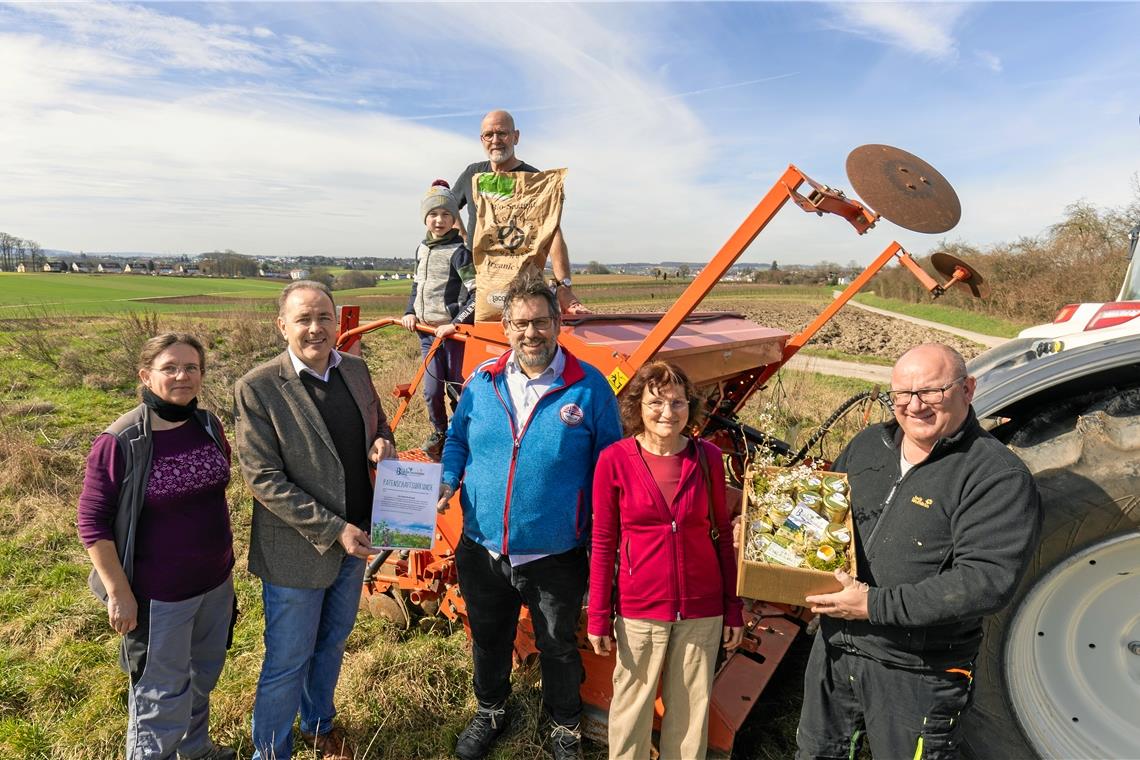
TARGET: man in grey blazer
(307,424)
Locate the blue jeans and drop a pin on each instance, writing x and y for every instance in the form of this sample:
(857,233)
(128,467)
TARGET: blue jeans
(305,633)
(446,367)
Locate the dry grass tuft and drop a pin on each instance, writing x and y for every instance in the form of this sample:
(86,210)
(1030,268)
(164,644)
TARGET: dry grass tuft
(29,468)
(29,409)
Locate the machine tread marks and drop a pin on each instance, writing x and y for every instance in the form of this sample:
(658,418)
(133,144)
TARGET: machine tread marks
(1085,455)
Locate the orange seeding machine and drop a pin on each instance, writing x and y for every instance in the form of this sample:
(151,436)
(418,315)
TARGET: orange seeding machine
(729,358)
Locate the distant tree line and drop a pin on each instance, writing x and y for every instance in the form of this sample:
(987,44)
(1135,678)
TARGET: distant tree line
(15,251)
(228,263)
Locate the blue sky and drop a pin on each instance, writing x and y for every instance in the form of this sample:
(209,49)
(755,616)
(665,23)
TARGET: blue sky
(299,128)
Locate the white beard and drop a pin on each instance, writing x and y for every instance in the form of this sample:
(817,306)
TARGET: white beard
(501,155)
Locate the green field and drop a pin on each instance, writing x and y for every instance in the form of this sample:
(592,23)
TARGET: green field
(947,315)
(36,294)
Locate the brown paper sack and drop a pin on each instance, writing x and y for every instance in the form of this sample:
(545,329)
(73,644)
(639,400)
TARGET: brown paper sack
(517,214)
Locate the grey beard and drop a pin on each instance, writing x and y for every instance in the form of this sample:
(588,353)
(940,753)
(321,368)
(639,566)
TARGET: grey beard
(501,155)
(539,361)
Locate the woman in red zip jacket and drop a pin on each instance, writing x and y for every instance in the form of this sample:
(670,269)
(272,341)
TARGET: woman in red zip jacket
(676,573)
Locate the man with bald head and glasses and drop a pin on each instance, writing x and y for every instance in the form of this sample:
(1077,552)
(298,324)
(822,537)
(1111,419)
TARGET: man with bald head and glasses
(945,518)
(523,442)
(499,137)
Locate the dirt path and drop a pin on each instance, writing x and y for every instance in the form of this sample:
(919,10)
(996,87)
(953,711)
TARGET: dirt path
(874,372)
(989,341)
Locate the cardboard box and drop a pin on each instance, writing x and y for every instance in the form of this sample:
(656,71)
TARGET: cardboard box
(777,583)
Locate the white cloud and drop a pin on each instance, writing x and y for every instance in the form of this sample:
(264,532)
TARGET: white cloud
(989,60)
(143,34)
(922,28)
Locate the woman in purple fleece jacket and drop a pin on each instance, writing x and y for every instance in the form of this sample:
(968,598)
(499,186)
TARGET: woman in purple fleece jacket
(675,603)
(154,519)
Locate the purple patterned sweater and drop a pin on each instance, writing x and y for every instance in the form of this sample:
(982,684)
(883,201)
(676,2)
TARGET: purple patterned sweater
(184,545)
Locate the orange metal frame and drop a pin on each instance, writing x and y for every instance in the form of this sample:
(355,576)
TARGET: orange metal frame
(425,577)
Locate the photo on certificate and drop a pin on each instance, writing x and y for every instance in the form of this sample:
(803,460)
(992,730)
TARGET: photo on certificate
(403,504)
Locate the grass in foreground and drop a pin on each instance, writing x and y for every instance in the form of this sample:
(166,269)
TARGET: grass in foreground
(947,315)
(403,694)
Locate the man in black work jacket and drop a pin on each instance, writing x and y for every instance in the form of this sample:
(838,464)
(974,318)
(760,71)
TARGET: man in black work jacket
(945,521)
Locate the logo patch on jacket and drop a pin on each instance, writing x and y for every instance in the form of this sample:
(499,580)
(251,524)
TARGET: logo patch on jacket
(924,503)
(571,414)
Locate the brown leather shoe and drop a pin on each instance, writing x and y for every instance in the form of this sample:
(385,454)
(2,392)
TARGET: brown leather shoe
(332,746)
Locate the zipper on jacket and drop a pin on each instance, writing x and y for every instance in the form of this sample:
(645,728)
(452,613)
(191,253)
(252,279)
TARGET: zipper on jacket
(676,568)
(517,441)
(628,558)
(510,483)
(882,515)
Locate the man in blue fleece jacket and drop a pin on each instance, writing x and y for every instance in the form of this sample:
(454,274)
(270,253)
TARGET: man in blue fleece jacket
(523,441)
(946,518)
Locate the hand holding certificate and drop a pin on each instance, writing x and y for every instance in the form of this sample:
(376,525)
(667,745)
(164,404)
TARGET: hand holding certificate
(404,504)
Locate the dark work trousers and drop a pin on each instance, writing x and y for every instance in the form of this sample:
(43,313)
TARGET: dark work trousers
(552,588)
(903,713)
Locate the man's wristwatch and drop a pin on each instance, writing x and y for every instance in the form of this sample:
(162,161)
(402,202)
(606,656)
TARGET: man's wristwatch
(556,283)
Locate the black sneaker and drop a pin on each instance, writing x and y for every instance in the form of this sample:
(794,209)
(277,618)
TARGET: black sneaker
(566,742)
(481,732)
(433,444)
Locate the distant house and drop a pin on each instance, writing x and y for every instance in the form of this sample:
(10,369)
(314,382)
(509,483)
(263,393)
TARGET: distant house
(80,267)
(166,271)
(21,267)
(55,266)
(110,267)
(188,269)
(298,274)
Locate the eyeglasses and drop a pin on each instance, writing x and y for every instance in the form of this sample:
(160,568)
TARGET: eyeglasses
(658,405)
(172,370)
(541,324)
(489,135)
(928,396)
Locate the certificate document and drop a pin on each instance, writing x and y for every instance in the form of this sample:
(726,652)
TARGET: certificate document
(403,504)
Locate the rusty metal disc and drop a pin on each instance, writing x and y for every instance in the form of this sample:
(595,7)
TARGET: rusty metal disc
(945,265)
(903,188)
(390,606)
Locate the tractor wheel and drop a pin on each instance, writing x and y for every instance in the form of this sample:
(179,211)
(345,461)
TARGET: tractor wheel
(1059,671)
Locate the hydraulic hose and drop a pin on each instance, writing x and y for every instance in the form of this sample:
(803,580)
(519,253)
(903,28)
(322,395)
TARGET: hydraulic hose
(837,415)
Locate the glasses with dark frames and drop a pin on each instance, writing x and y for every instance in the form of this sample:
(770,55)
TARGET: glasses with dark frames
(928,396)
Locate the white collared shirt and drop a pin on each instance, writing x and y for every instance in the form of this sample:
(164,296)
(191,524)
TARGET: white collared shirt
(525,393)
(300,366)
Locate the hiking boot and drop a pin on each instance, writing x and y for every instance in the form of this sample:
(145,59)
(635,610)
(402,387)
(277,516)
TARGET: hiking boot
(566,742)
(433,444)
(332,745)
(217,753)
(481,732)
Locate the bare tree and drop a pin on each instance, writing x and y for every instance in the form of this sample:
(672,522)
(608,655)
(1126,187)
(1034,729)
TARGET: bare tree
(36,254)
(9,244)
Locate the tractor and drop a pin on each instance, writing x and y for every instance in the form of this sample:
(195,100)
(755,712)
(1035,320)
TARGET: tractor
(1045,407)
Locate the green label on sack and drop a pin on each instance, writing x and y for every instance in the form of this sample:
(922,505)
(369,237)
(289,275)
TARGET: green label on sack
(496,186)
